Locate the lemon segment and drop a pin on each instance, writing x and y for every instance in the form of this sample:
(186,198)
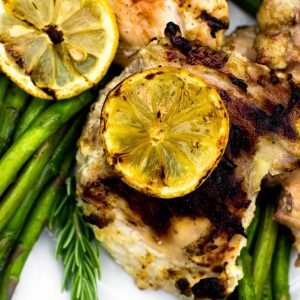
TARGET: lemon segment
(164,130)
(56,49)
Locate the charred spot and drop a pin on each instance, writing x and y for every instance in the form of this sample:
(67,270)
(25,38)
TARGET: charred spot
(183,286)
(239,140)
(239,82)
(16,55)
(295,94)
(214,23)
(206,56)
(225,96)
(229,163)
(94,193)
(116,158)
(153,39)
(151,210)
(104,124)
(209,288)
(150,76)
(261,80)
(278,122)
(213,247)
(218,269)
(55,35)
(117,91)
(221,190)
(195,53)
(172,30)
(98,221)
(274,79)
(163,174)
(49,92)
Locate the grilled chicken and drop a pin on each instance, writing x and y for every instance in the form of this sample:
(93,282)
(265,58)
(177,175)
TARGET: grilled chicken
(140,21)
(242,41)
(278,43)
(288,211)
(189,245)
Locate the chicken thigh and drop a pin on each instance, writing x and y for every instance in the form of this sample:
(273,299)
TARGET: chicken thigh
(189,245)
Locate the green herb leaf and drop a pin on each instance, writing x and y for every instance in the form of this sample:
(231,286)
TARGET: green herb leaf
(76,246)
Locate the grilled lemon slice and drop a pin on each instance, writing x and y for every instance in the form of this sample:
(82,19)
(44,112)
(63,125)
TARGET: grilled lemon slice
(164,131)
(56,49)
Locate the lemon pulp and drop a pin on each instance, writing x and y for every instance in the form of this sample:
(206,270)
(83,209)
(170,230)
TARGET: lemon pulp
(164,130)
(56,49)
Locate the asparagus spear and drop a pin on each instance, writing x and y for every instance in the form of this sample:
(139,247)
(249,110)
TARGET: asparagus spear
(34,168)
(280,267)
(12,106)
(35,107)
(32,231)
(267,290)
(264,248)
(246,285)
(252,229)
(11,231)
(4,83)
(43,127)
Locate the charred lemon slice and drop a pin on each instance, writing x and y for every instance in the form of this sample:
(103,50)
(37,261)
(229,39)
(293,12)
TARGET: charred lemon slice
(56,49)
(164,130)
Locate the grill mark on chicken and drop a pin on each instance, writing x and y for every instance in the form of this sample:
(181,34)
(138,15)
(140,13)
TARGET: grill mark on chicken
(213,287)
(278,122)
(183,286)
(295,94)
(97,220)
(194,51)
(220,198)
(239,82)
(214,23)
(225,96)
(274,78)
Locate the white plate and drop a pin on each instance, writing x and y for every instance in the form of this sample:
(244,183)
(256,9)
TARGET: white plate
(42,276)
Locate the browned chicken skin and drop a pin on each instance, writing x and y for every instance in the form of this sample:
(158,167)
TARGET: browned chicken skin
(139,21)
(288,212)
(148,236)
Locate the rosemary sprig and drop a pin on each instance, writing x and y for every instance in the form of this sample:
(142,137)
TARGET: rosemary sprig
(77,247)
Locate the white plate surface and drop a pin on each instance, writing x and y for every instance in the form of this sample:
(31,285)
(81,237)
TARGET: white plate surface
(42,275)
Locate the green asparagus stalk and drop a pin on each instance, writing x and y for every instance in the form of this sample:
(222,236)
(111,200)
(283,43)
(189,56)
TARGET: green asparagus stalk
(32,231)
(251,6)
(12,107)
(252,229)
(246,285)
(267,291)
(264,249)
(36,107)
(43,127)
(4,83)
(25,182)
(12,230)
(280,266)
